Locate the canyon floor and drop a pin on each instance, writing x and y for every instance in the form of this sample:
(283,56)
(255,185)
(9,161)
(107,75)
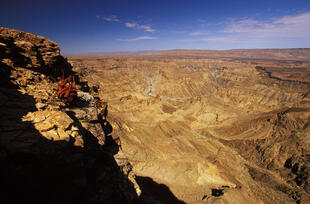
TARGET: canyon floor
(230,127)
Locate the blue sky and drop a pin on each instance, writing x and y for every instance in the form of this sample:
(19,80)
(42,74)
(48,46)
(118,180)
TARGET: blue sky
(93,26)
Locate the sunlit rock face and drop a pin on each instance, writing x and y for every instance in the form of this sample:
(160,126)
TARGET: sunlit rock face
(52,152)
(218,130)
(32,52)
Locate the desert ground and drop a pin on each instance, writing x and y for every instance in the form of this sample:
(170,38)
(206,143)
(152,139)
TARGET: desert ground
(213,126)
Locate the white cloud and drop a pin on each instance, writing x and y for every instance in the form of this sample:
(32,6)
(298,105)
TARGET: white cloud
(112,18)
(138,38)
(297,26)
(199,33)
(247,30)
(131,25)
(146,28)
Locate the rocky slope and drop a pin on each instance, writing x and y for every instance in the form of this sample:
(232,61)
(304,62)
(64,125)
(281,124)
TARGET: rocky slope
(212,130)
(50,152)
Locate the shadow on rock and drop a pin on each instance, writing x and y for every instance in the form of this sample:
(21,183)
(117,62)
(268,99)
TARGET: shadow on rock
(153,192)
(34,169)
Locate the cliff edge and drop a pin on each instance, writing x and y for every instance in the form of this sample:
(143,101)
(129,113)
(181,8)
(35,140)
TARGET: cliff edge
(51,152)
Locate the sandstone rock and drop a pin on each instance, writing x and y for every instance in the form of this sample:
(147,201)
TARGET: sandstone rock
(86,98)
(52,124)
(73,128)
(41,106)
(79,142)
(87,114)
(37,52)
(45,155)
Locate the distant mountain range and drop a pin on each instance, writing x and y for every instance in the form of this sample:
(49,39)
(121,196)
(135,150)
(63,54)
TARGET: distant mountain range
(295,54)
(298,54)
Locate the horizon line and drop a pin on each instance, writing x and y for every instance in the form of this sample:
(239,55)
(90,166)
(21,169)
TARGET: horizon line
(145,51)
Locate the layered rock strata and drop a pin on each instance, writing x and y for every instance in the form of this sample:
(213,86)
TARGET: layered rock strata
(212,130)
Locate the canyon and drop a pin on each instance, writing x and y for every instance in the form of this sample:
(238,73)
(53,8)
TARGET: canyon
(179,126)
(202,122)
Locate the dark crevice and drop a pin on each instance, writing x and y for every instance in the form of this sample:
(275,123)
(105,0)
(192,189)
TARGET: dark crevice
(269,74)
(217,192)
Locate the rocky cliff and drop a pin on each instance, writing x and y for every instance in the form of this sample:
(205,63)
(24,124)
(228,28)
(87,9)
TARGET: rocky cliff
(51,152)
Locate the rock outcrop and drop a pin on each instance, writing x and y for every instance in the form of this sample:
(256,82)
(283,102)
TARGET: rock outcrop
(49,152)
(32,52)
